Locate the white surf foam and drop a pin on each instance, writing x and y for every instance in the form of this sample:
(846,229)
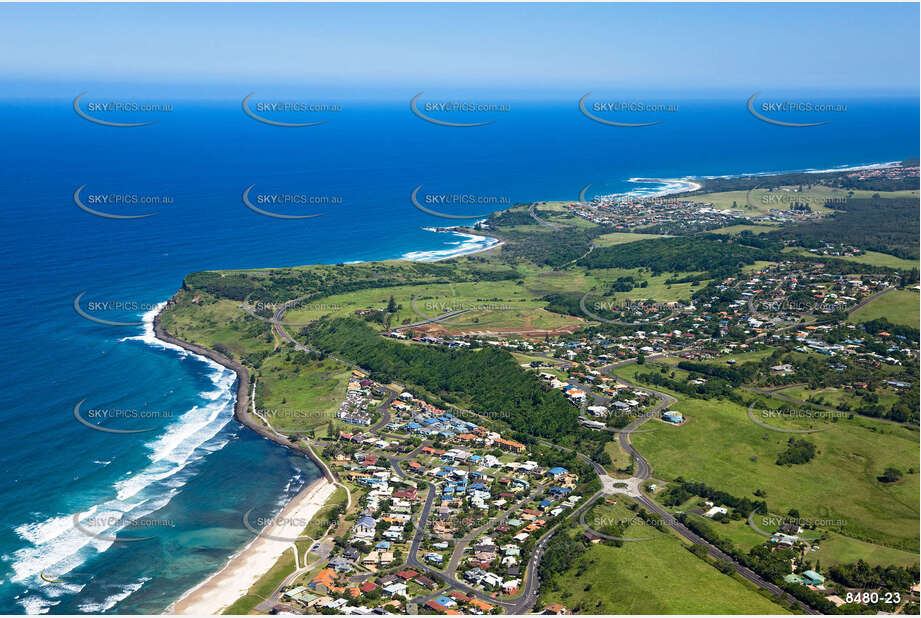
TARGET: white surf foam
(56,547)
(671,186)
(35,605)
(662,187)
(846,167)
(110,602)
(468,243)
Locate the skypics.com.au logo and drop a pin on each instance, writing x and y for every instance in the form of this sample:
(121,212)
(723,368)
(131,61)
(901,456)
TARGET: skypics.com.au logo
(616,113)
(121,205)
(96,308)
(128,112)
(430,110)
(447,310)
(458,205)
(626,312)
(771,111)
(116,415)
(99,525)
(806,199)
(290,206)
(287,113)
(267,311)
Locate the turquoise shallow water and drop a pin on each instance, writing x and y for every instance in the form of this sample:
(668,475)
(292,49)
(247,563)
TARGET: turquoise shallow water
(198,471)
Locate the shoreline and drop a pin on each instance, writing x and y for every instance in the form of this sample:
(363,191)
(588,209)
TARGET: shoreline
(246,567)
(692,184)
(467,233)
(495,245)
(240,413)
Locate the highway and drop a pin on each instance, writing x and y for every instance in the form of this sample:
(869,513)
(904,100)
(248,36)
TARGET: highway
(522,604)
(643,472)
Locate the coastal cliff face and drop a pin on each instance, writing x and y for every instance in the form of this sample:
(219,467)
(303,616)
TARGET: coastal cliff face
(242,400)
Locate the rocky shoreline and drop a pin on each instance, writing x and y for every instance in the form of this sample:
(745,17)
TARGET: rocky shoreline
(241,406)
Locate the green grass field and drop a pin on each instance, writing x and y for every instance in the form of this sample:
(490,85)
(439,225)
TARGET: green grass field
(738,229)
(222,323)
(556,368)
(760,201)
(871,258)
(757,266)
(620,459)
(650,577)
(566,219)
(834,396)
(490,304)
(656,287)
(897,306)
(620,238)
(300,397)
(839,549)
(882,259)
(741,356)
(725,449)
(834,549)
(737,530)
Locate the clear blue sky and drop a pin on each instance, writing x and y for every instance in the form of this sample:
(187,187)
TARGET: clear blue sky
(871,47)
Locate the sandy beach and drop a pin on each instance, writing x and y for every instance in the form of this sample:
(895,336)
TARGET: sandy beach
(253,561)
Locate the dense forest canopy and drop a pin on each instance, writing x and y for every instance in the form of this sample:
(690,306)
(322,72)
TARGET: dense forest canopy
(488,380)
(681,254)
(886,225)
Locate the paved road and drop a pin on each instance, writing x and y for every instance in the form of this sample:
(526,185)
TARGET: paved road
(522,604)
(395,460)
(642,466)
(436,319)
(458,554)
(532,211)
(643,471)
(384,409)
(420,528)
(744,571)
(532,582)
(518,606)
(275,598)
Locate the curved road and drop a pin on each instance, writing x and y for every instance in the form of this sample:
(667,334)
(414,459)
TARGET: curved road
(533,213)
(643,471)
(522,604)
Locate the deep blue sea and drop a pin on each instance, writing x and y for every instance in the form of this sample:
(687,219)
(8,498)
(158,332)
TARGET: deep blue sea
(191,478)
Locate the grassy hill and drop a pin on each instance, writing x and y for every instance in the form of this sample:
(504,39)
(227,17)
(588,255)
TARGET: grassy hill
(649,577)
(722,447)
(897,306)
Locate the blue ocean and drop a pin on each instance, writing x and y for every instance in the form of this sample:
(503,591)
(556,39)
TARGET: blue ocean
(193,474)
